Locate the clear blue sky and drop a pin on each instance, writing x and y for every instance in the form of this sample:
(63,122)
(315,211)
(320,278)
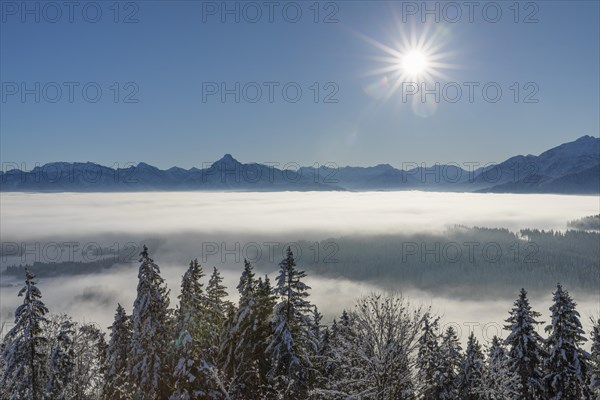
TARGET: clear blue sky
(170,53)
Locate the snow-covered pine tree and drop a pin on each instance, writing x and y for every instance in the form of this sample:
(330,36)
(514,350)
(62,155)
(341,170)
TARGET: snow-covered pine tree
(190,327)
(62,365)
(90,351)
(332,334)
(217,294)
(449,365)
(317,328)
(216,311)
(428,359)
(500,383)
(265,304)
(567,363)
(345,321)
(292,341)
(151,336)
(470,379)
(24,358)
(318,331)
(525,352)
(321,347)
(116,384)
(595,360)
(239,341)
(323,357)
(338,361)
(192,300)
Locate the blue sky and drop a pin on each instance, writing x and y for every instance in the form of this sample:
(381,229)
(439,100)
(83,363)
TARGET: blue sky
(177,49)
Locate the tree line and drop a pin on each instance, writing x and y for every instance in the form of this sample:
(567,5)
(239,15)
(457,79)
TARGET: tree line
(273,344)
(489,261)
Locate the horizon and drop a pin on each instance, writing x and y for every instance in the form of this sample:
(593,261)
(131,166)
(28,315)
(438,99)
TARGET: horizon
(205,164)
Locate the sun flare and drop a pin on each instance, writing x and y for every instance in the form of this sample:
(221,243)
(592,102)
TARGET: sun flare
(414,62)
(411,57)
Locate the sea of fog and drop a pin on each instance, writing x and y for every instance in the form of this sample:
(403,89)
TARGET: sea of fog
(35,215)
(177,225)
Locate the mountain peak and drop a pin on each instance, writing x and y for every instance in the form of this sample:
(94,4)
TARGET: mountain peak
(143,165)
(586,138)
(383,167)
(227,159)
(584,146)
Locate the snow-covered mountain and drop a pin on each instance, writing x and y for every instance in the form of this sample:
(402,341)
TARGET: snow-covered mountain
(572,167)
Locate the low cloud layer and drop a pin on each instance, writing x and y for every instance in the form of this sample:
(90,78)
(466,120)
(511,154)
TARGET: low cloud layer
(37,216)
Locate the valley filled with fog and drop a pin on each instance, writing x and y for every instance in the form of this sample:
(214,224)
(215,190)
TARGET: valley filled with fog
(418,243)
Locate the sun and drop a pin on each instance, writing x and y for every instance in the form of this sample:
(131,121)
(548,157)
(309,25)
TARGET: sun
(414,63)
(411,57)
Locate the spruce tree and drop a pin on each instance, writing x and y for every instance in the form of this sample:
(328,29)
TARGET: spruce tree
(117,383)
(320,349)
(595,360)
(217,308)
(449,365)
(215,312)
(90,361)
(62,365)
(216,294)
(500,383)
(567,363)
(150,341)
(525,352)
(239,341)
(317,328)
(265,304)
(470,379)
(291,343)
(428,358)
(189,328)
(23,354)
(339,361)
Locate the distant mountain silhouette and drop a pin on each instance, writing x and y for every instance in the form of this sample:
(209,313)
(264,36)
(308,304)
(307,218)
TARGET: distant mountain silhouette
(571,168)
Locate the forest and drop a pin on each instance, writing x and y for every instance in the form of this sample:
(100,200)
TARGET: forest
(589,223)
(459,261)
(466,262)
(273,344)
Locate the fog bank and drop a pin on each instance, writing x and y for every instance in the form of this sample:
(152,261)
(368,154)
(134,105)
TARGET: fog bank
(30,216)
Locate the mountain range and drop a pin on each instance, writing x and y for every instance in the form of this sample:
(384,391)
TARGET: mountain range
(571,168)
